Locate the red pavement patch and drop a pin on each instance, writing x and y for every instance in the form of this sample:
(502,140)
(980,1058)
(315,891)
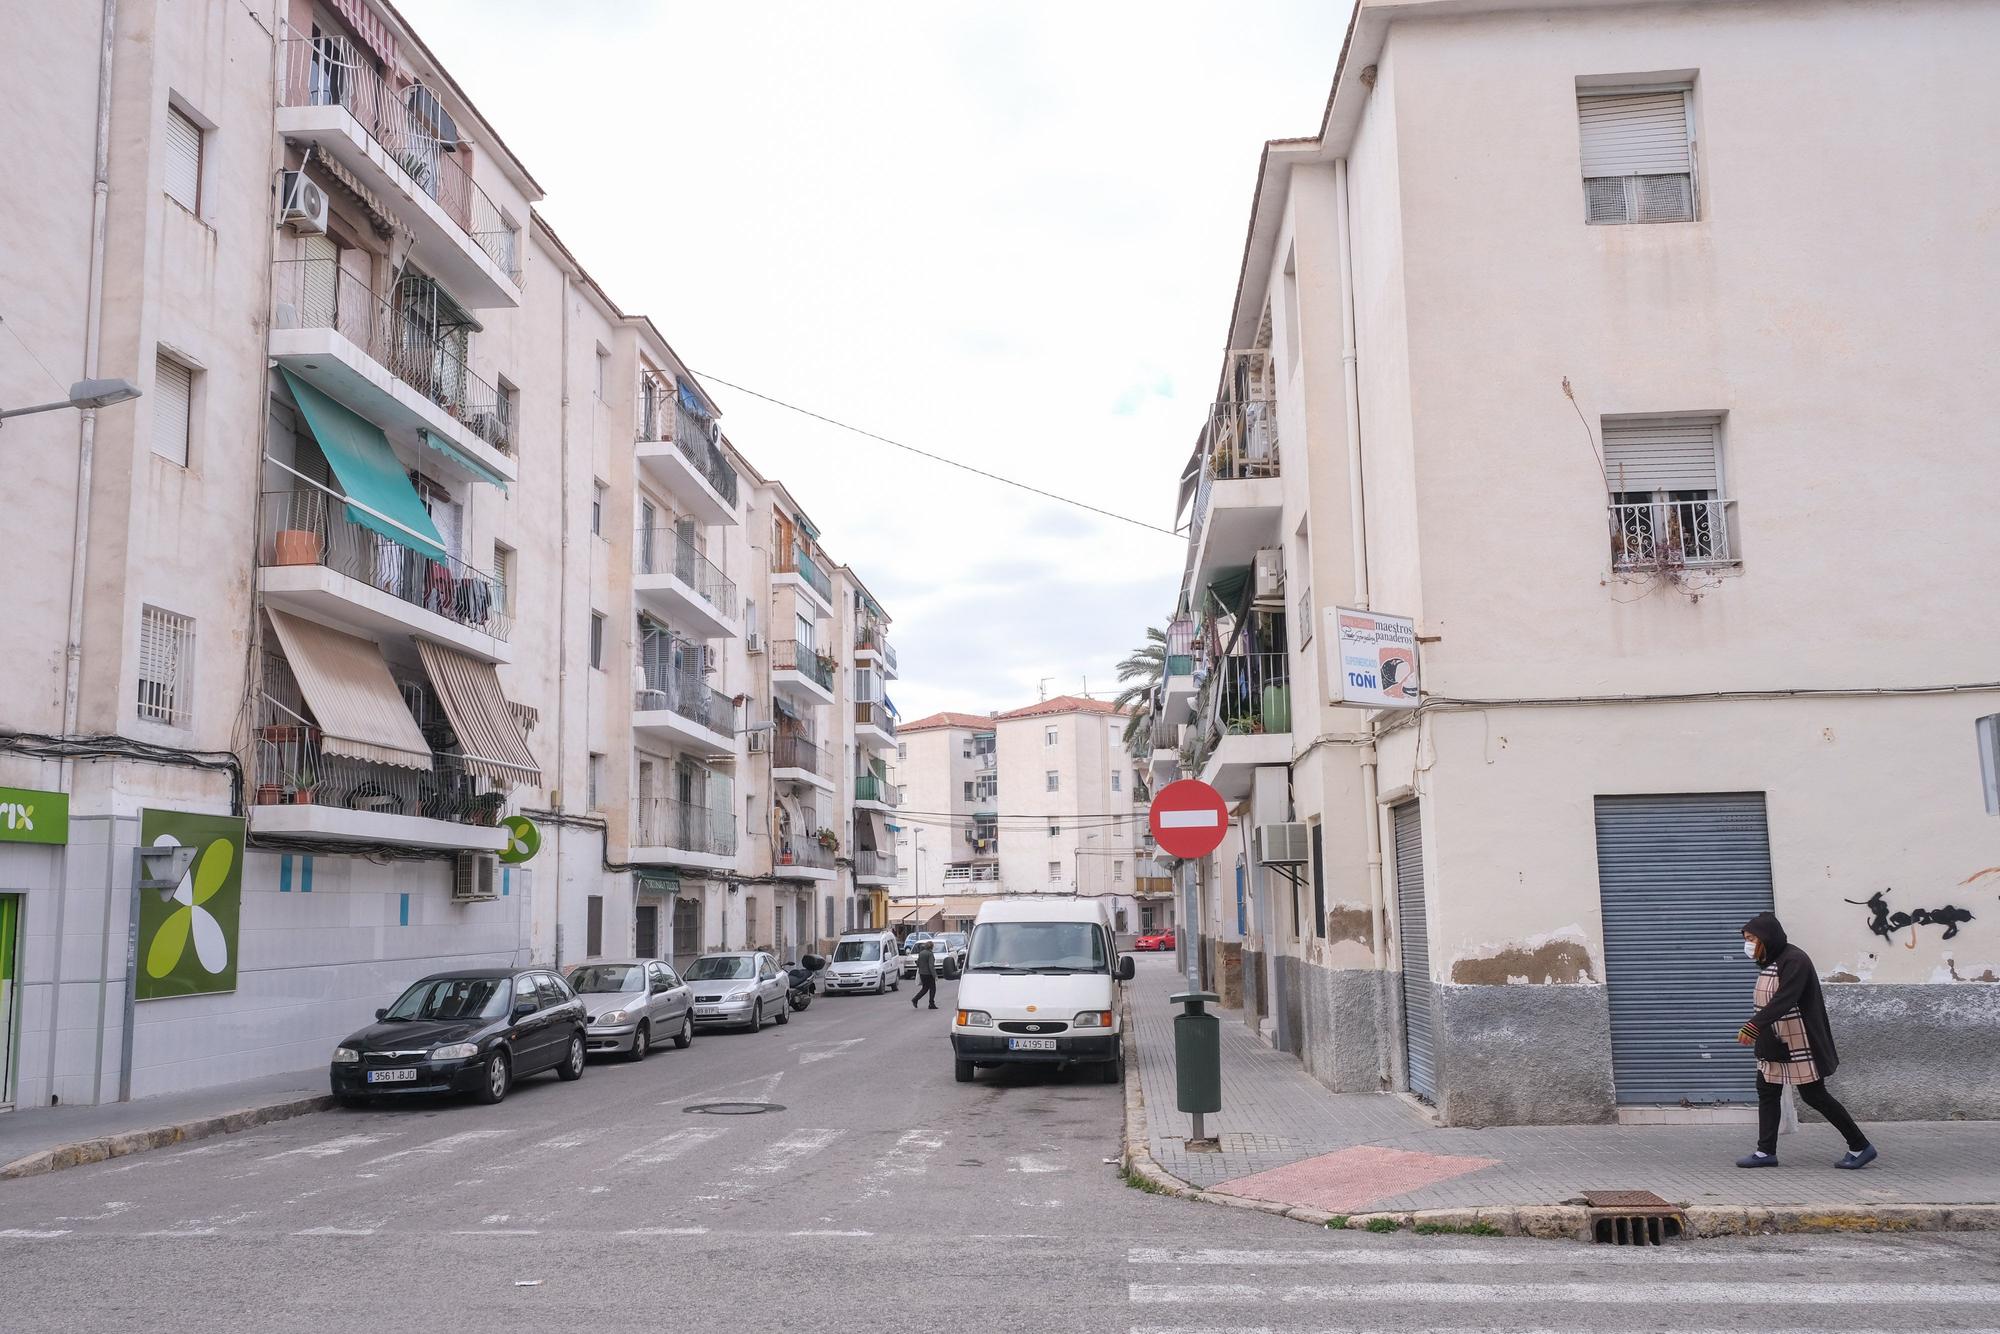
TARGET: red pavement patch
(1351,1179)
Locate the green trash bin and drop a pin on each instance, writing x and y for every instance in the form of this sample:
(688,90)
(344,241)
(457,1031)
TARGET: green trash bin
(1197,1056)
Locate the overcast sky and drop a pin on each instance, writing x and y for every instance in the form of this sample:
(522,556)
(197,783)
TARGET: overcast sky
(1008,233)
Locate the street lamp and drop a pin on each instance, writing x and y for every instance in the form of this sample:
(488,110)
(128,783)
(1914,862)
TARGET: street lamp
(83,394)
(1076,881)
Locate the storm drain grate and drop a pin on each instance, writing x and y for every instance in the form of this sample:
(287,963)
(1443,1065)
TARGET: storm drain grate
(733,1108)
(1633,1218)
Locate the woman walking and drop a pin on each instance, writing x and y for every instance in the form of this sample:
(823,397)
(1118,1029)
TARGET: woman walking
(1794,1043)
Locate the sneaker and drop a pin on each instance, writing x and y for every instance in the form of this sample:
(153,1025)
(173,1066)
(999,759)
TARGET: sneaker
(1858,1158)
(1758,1159)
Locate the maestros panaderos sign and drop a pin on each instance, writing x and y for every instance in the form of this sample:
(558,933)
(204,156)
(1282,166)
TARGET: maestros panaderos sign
(1372,659)
(187,938)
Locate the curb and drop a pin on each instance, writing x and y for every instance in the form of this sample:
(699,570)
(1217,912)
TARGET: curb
(82,1152)
(1557,1222)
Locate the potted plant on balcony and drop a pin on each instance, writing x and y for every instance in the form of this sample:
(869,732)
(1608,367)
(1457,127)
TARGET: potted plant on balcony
(300,782)
(826,664)
(484,809)
(828,839)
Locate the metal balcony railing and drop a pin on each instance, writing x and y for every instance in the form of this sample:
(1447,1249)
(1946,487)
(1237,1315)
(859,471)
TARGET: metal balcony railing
(876,639)
(663,415)
(788,655)
(805,851)
(667,551)
(874,787)
(319,294)
(1251,692)
(869,862)
(288,767)
(313,528)
(1241,442)
(790,751)
(954,875)
(327,71)
(686,694)
(868,713)
(800,562)
(669,822)
(1670,531)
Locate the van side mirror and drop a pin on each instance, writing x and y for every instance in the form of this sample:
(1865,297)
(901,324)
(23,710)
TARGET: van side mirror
(1126,968)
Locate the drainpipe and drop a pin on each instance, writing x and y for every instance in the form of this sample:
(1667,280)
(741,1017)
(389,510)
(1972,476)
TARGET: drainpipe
(562,605)
(1350,370)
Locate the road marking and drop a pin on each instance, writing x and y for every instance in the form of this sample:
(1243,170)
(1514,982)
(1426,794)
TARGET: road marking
(910,1156)
(335,1232)
(183,1232)
(112,1209)
(668,1147)
(831,1051)
(1601,1294)
(1502,1255)
(1033,1163)
(1435,1329)
(830,1232)
(496,1232)
(664,1232)
(573,1139)
(766,1086)
(440,1147)
(327,1148)
(33,1233)
(775,1158)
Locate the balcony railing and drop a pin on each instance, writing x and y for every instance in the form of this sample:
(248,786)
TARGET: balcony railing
(868,713)
(329,72)
(662,415)
(288,767)
(788,655)
(1241,442)
(1166,736)
(1152,884)
(874,787)
(874,638)
(667,551)
(800,562)
(1181,642)
(805,851)
(319,294)
(790,751)
(1670,533)
(955,875)
(869,862)
(1251,692)
(313,528)
(686,694)
(669,822)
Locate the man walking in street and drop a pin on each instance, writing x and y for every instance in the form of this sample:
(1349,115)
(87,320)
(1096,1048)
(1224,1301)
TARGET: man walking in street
(926,975)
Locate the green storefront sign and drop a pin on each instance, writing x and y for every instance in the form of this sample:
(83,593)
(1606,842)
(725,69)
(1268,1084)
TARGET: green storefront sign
(187,937)
(31,816)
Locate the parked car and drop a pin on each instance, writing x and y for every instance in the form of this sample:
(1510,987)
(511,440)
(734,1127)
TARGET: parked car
(634,1003)
(1155,940)
(909,950)
(863,961)
(477,1031)
(740,989)
(951,945)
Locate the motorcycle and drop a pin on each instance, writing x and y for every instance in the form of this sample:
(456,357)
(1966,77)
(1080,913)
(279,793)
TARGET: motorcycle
(804,980)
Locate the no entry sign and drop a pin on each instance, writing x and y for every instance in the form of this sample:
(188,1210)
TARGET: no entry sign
(1189,818)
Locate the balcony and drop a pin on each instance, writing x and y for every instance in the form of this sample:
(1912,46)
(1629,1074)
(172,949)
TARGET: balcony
(803,858)
(983,838)
(796,759)
(1238,497)
(676,446)
(975,873)
(330,329)
(400,145)
(672,832)
(872,649)
(1166,758)
(1670,533)
(797,569)
(875,792)
(1250,720)
(313,559)
(874,725)
(1177,678)
(682,708)
(676,582)
(801,673)
(874,868)
(1152,884)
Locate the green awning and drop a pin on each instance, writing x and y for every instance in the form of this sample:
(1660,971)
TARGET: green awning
(1227,587)
(368,471)
(660,882)
(463,460)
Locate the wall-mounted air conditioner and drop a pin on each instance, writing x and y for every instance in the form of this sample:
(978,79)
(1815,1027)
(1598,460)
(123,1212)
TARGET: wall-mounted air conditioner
(1269,571)
(304,209)
(753,642)
(1283,845)
(759,742)
(475,877)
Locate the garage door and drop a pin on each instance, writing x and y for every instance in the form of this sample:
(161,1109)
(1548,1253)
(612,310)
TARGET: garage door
(1679,875)
(1413,930)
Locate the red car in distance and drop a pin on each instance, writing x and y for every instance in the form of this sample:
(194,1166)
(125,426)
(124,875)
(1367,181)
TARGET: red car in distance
(1155,940)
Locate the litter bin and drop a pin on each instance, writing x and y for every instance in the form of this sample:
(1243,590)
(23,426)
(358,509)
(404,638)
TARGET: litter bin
(1197,1057)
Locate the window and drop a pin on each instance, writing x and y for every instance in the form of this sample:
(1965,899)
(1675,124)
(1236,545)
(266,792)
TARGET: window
(1049,736)
(1638,155)
(597,640)
(902,750)
(184,160)
(603,371)
(166,667)
(1118,872)
(173,404)
(594,782)
(1667,507)
(1117,781)
(1055,872)
(503,578)
(802,631)
(1319,884)
(508,406)
(593,926)
(1987,729)
(1054,781)
(968,789)
(1055,830)
(598,490)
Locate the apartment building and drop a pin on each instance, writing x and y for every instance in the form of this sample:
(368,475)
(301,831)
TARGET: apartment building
(1565,338)
(418,601)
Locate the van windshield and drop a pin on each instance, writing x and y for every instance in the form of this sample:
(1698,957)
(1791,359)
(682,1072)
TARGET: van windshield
(857,951)
(1038,947)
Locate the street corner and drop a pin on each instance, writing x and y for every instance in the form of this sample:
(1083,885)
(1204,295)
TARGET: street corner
(1349,1180)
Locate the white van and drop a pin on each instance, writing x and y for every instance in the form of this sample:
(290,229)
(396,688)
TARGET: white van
(863,961)
(1039,987)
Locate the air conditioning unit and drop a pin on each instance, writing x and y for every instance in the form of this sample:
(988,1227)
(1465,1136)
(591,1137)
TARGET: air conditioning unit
(1283,845)
(1270,576)
(709,660)
(759,742)
(753,642)
(475,877)
(305,204)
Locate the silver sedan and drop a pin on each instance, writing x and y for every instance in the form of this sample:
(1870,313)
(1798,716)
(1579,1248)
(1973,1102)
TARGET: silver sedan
(739,990)
(633,1004)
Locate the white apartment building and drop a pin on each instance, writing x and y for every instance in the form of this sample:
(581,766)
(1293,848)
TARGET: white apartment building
(418,596)
(1576,336)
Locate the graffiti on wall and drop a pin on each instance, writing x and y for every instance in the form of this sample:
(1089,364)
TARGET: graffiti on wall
(1885,923)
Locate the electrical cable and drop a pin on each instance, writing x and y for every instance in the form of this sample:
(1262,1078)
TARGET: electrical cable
(46,746)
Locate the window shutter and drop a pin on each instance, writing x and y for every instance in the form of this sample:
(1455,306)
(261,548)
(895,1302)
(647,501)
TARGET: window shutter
(1662,454)
(1638,157)
(173,386)
(183,172)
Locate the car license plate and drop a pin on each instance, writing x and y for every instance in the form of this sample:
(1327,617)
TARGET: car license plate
(391,1076)
(1031,1044)
(708,1009)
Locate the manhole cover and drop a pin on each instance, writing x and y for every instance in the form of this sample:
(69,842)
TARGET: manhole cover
(734,1108)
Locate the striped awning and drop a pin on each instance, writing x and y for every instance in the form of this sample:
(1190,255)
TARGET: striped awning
(489,735)
(353,698)
(878,828)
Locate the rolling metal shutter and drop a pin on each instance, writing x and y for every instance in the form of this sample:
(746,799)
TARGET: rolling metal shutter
(1662,454)
(182,179)
(1414,933)
(1638,156)
(1678,876)
(173,394)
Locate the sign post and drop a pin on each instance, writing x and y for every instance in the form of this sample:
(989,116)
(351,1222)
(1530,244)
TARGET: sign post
(1188,819)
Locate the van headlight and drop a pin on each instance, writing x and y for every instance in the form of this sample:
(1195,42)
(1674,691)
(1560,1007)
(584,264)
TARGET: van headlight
(1092,1019)
(974,1019)
(457,1051)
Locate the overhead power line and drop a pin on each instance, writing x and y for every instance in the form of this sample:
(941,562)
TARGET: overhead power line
(939,458)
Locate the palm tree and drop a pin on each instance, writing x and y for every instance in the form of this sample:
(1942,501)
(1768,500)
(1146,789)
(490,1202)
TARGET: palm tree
(1142,670)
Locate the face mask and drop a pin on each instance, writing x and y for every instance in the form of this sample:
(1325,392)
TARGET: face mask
(1749,949)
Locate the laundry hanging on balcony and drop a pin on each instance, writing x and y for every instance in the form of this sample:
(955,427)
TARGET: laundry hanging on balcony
(354,700)
(489,734)
(890,705)
(376,485)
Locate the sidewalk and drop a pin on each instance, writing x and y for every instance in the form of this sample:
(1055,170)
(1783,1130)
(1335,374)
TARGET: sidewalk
(47,1139)
(1287,1141)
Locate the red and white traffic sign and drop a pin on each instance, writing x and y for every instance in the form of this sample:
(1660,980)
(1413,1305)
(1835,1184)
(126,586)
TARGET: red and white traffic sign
(1189,818)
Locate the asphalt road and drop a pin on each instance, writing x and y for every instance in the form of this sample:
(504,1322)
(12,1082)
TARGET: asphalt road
(877,1195)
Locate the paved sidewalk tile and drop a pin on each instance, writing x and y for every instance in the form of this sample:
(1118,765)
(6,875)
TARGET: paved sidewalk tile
(1275,1115)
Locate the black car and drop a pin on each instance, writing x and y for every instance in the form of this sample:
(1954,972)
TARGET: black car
(473,1031)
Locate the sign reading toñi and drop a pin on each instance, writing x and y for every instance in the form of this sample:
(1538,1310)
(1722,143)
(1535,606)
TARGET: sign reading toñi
(1372,659)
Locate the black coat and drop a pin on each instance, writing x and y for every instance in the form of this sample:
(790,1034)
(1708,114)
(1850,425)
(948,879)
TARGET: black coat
(926,964)
(1798,988)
